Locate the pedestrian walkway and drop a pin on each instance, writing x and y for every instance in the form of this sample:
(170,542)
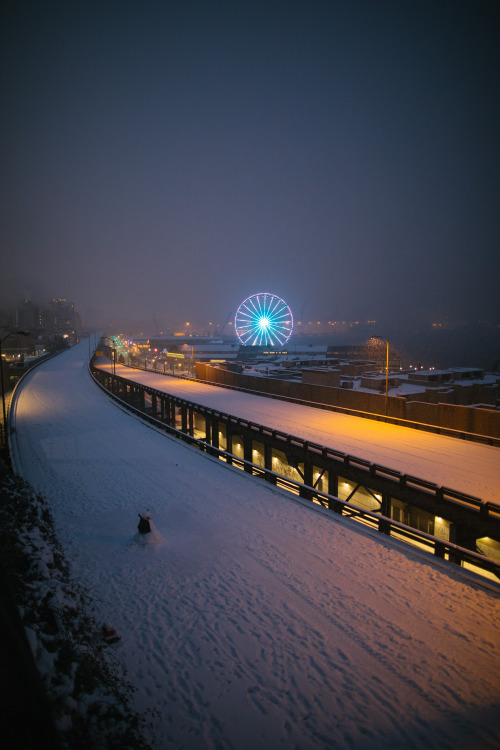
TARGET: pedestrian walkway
(471,468)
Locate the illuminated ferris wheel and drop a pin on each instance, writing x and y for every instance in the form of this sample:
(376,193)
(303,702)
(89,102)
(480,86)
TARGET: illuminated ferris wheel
(263,320)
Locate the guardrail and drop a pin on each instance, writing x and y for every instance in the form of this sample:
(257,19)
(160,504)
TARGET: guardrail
(405,480)
(484,509)
(439,492)
(438,547)
(398,421)
(6,429)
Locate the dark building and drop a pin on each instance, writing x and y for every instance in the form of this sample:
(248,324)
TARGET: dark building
(61,319)
(29,316)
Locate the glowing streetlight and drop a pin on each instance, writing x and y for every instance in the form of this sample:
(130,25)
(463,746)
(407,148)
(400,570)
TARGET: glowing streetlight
(12,333)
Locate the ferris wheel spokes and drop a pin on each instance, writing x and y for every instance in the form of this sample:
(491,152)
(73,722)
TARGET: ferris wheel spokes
(263,319)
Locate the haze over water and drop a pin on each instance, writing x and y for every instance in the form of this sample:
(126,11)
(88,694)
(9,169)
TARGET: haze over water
(465,345)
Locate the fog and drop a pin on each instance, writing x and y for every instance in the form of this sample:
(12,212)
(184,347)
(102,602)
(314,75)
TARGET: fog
(163,161)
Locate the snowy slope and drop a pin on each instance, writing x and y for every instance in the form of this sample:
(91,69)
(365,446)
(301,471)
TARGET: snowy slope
(253,621)
(469,467)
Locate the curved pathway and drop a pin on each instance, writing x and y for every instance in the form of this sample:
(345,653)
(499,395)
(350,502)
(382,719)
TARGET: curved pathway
(250,619)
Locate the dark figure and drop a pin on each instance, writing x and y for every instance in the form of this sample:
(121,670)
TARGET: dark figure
(144,525)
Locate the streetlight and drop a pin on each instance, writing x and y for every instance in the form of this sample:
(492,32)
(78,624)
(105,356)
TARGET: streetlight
(94,345)
(4,413)
(111,349)
(381,338)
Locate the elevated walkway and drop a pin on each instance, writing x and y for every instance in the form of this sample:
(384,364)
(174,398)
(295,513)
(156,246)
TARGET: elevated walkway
(451,523)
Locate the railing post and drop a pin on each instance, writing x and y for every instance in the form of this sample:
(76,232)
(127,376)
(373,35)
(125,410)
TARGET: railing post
(384,526)
(440,550)
(336,505)
(271,477)
(305,492)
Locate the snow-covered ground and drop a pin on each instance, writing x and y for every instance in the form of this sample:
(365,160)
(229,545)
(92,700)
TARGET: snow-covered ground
(251,619)
(461,465)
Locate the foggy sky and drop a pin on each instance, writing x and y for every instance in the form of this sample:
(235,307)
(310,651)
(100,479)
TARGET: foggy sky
(168,159)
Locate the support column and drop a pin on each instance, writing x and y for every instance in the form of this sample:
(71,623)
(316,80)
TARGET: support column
(308,480)
(229,442)
(229,439)
(333,489)
(268,457)
(215,432)
(333,483)
(247,451)
(463,536)
(140,398)
(308,473)
(184,423)
(385,506)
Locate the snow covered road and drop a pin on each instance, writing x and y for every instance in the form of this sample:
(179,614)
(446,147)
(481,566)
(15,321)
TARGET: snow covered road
(462,465)
(254,620)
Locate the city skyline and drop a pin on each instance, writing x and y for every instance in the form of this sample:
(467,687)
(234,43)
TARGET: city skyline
(11,315)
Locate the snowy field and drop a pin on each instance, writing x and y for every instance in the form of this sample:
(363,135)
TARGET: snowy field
(250,619)
(469,467)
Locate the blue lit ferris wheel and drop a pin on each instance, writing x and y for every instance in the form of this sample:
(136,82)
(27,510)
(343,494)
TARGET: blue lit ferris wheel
(263,320)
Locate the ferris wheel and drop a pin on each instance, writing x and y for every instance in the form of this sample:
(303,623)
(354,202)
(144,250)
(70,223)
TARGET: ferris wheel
(263,320)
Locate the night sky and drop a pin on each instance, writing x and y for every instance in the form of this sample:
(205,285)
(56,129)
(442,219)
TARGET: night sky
(164,160)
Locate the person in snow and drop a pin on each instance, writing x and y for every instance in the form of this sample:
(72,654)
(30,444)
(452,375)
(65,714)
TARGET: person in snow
(144,525)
